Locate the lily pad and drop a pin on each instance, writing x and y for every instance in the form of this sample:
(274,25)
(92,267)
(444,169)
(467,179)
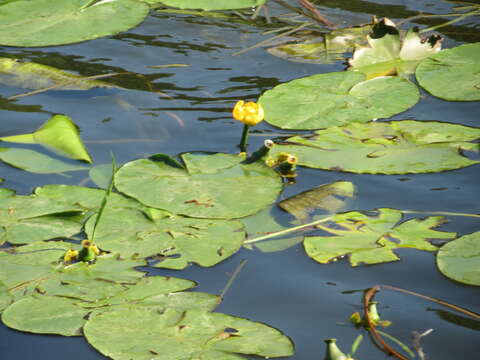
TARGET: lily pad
(452,74)
(175,240)
(58,22)
(336,98)
(207,186)
(175,335)
(397,147)
(35,162)
(372,239)
(38,268)
(210,4)
(5,297)
(388,55)
(66,314)
(59,134)
(460,259)
(35,76)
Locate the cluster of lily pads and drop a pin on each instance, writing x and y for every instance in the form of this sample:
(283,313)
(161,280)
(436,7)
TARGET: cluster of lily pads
(169,212)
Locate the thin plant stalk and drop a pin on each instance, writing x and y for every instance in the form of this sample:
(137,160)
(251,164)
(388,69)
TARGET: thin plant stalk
(244,139)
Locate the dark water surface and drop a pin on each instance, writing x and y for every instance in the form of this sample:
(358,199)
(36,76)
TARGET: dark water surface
(176,110)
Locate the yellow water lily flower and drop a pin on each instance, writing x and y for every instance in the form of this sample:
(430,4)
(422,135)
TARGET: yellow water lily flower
(249,113)
(70,255)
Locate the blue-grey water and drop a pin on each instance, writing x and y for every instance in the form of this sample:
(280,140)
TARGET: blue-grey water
(173,110)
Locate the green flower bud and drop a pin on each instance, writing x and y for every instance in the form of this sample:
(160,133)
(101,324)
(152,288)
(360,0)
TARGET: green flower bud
(333,352)
(261,152)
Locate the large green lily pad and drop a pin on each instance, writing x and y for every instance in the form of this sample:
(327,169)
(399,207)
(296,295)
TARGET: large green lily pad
(35,162)
(58,22)
(5,297)
(336,98)
(176,335)
(26,219)
(175,240)
(31,75)
(66,314)
(397,147)
(452,74)
(38,268)
(371,239)
(460,259)
(207,186)
(210,4)
(60,134)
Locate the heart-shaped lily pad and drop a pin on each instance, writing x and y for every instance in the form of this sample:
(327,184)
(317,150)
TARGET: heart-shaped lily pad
(66,314)
(460,259)
(58,22)
(176,335)
(397,147)
(372,239)
(207,186)
(452,74)
(336,98)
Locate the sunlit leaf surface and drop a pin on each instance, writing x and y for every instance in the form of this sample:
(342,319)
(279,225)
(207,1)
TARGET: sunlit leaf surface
(371,239)
(396,147)
(336,98)
(452,74)
(59,134)
(57,22)
(177,335)
(460,259)
(207,186)
(209,4)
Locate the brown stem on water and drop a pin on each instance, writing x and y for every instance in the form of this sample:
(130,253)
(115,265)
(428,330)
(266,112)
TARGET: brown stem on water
(312,8)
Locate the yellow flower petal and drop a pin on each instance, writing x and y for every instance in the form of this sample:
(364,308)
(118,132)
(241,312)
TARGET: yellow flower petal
(249,113)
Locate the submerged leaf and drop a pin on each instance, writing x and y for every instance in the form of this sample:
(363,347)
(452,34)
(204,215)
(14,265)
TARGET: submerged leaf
(336,98)
(460,259)
(176,335)
(397,147)
(59,134)
(67,314)
(35,162)
(35,76)
(452,74)
(210,4)
(208,186)
(372,239)
(58,22)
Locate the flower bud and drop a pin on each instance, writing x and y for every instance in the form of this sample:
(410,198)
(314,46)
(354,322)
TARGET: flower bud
(333,352)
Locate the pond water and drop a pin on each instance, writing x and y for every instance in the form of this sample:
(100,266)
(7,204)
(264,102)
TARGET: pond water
(174,110)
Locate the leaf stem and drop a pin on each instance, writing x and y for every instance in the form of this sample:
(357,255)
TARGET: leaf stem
(287,231)
(460,18)
(446,213)
(244,139)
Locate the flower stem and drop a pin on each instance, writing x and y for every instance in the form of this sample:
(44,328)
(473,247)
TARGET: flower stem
(243,141)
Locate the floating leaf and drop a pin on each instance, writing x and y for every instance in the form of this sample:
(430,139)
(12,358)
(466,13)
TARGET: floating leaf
(101,175)
(35,162)
(4,193)
(336,98)
(176,240)
(208,186)
(26,219)
(397,147)
(58,22)
(324,50)
(59,134)
(38,268)
(330,197)
(193,334)
(460,259)
(210,4)
(372,239)
(66,315)
(387,55)
(35,76)
(5,297)
(452,74)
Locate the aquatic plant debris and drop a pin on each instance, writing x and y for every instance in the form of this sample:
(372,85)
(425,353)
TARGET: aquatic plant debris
(209,4)
(372,239)
(396,147)
(336,98)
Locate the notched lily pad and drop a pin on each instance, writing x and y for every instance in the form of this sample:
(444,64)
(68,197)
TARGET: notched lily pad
(372,239)
(336,98)
(206,186)
(59,134)
(460,259)
(387,54)
(176,335)
(452,74)
(397,147)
